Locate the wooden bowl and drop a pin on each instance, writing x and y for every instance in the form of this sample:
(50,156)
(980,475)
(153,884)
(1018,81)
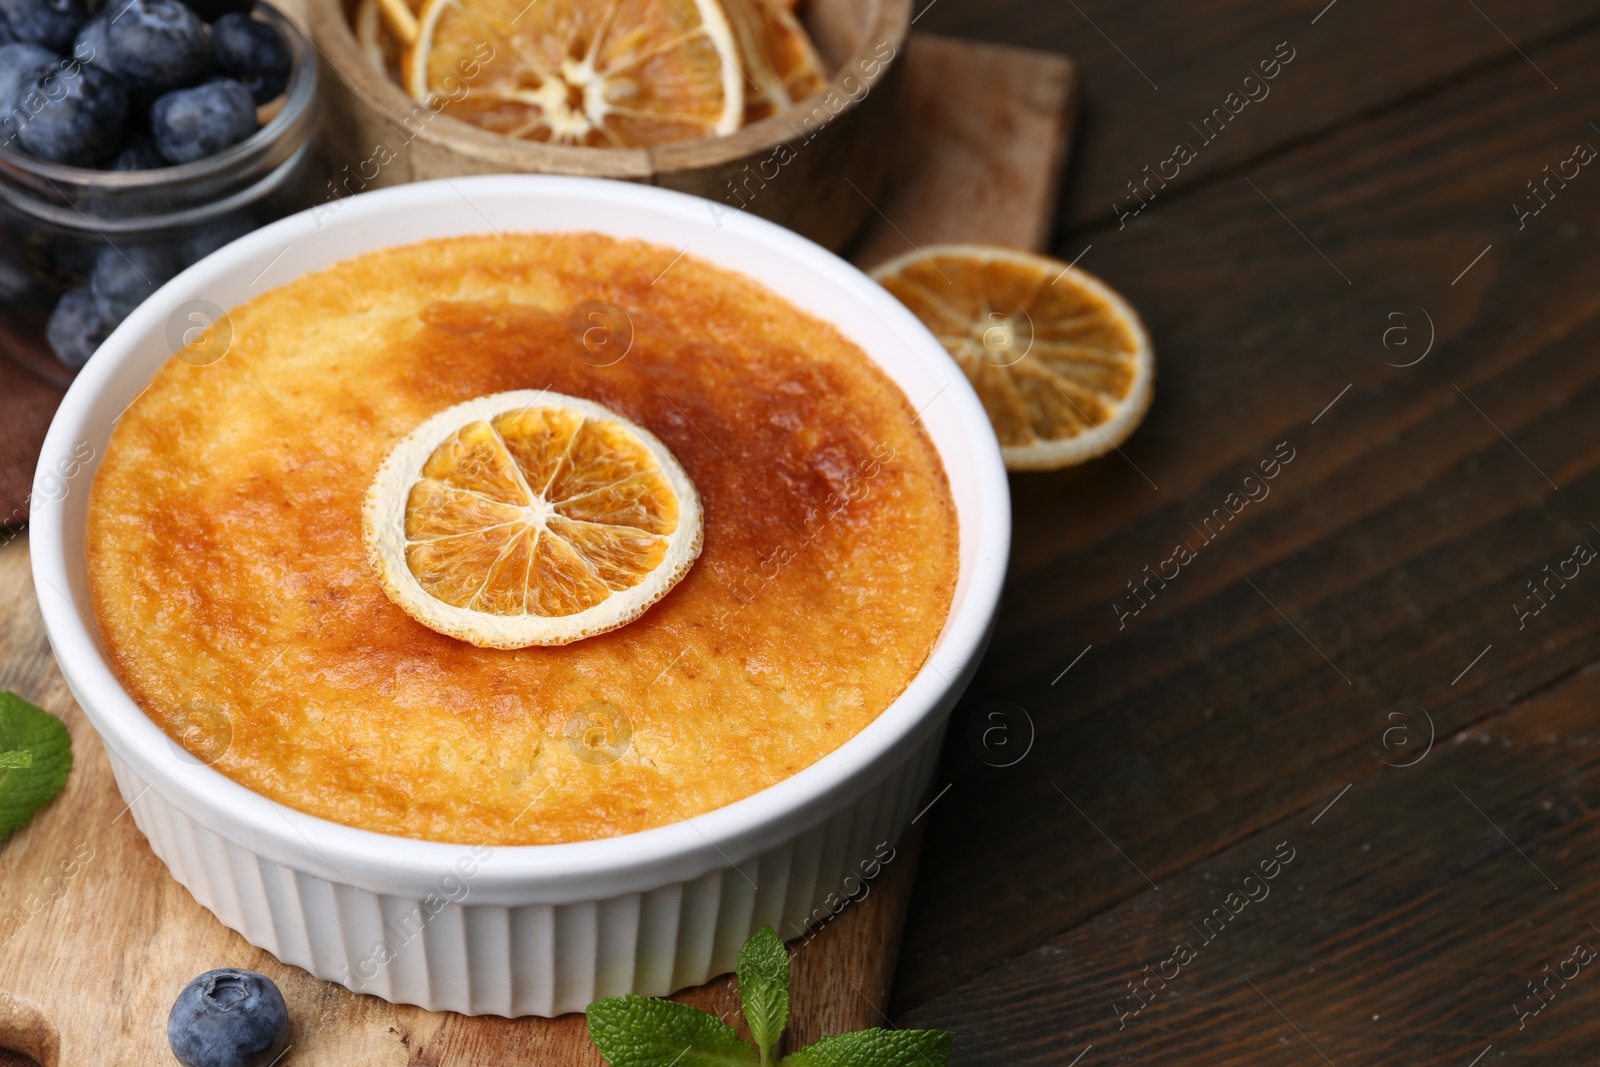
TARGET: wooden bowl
(795,168)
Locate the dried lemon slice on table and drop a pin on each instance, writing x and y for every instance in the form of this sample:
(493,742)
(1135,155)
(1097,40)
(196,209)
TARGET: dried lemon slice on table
(619,73)
(1061,362)
(530,518)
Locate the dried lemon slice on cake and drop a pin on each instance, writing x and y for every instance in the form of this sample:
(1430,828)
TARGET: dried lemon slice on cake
(618,73)
(530,518)
(1061,362)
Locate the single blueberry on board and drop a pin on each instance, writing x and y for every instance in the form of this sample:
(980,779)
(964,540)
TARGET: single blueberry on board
(138,153)
(251,52)
(80,119)
(52,23)
(190,124)
(19,62)
(124,275)
(76,327)
(227,1018)
(155,45)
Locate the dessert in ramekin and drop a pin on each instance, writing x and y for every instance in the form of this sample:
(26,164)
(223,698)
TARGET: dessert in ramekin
(656,886)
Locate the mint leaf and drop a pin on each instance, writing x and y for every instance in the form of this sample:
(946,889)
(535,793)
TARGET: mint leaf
(644,1032)
(35,756)
(877,1048)
(764,988)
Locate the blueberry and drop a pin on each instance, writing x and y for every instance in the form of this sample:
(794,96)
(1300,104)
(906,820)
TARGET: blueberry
(155,45)
(81,111)
(90,44)
(76,328)
(218,232)
(190,124)
(138,153)
(7,34)
(227,1018)
(251,52)
(125,275)
(52,23)
(18,58)
(18,64)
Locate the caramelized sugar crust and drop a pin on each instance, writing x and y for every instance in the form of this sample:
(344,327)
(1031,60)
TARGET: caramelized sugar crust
(229,578)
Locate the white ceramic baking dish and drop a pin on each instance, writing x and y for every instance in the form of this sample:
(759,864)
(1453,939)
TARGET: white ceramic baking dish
(537,930)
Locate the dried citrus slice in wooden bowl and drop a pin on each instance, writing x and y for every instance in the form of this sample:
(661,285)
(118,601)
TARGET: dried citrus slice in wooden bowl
(530,518)
(618,73)
(1061,362)
(375,37)
(781,66)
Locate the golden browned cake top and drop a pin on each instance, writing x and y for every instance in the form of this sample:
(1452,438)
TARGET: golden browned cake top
(230,580)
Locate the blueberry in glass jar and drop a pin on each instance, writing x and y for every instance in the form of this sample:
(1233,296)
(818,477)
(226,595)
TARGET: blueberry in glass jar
(19,62)
(138,152)
(76,327)
(52,23)
(90,44)
(190,124)
(124,276)
(155,45)
(81,111)
(251,52)
(205,240)
(82,245)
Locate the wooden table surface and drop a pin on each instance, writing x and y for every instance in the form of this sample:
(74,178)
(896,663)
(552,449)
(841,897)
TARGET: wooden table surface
(1352,686)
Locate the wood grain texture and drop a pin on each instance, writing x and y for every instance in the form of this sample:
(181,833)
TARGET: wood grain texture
(993,126)
(1388,556)
(1151,68)
(1476,867)
(96,939)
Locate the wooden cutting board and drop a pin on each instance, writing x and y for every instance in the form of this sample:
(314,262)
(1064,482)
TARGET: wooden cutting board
(96,938)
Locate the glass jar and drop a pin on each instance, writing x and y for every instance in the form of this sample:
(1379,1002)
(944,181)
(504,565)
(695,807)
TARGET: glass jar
(55,220)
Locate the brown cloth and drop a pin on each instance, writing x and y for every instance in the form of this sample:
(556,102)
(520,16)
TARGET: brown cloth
(27,403)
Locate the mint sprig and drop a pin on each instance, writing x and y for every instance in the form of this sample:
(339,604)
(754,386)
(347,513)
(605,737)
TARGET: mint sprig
(764,989)
(646,1032)
(35,756)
